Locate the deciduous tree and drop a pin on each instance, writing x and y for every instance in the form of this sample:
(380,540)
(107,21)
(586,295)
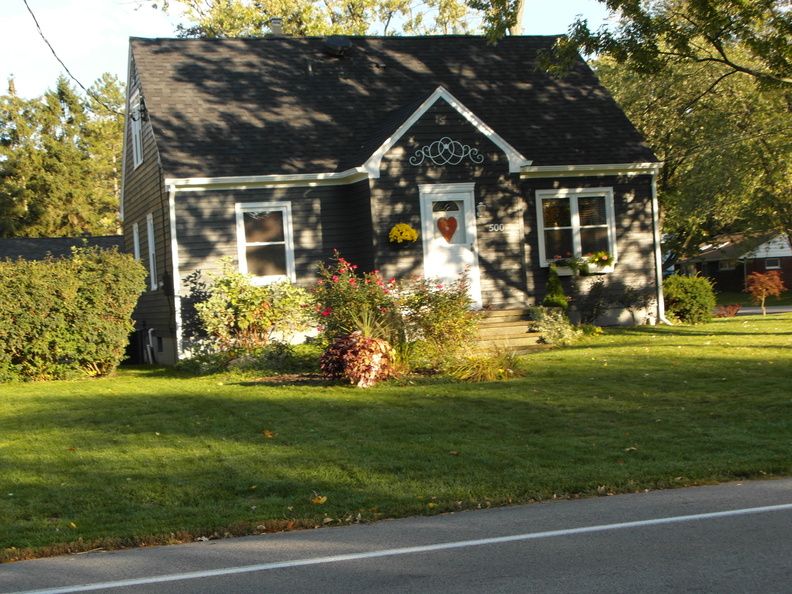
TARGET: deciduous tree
(761,286)
(726,144)
(746,36)
(251,18)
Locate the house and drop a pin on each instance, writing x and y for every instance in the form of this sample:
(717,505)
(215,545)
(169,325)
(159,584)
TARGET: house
(39,248)
(276,151)
(728,260)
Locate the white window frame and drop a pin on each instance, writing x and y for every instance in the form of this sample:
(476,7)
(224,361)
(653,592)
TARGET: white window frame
(136,130)
(573,194)
(285,208)
(152,252)
(726,265)
(775,266)
(136,241)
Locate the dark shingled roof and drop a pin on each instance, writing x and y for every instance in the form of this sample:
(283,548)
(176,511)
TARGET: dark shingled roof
(38,248)
(280,105)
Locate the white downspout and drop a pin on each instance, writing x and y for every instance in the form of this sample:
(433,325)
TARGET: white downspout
(658,255)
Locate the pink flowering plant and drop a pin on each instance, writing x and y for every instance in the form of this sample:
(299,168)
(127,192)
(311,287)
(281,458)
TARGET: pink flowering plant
(419,311)
(343,296)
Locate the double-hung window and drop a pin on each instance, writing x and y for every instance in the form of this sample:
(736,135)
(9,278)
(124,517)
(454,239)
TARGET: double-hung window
(575,223)
(264,240)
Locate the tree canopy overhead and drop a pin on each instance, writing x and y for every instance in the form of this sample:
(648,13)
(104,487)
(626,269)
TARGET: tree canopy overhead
(746,36)
(727,154)
(251,18)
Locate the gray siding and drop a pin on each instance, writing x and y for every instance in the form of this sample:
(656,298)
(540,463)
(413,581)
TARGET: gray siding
(395,199)
(143,193)
(323,219)
(632,198)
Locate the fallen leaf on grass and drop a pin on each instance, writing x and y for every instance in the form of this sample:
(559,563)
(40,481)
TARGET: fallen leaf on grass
(317,499)
(268,433)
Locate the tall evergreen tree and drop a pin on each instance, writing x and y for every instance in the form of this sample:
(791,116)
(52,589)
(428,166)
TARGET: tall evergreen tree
(59,159)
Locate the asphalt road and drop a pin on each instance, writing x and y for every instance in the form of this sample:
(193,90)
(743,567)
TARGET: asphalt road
(727,538)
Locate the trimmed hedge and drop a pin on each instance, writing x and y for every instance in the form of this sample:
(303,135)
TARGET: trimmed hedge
(60,318)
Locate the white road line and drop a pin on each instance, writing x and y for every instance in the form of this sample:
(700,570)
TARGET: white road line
(402,551)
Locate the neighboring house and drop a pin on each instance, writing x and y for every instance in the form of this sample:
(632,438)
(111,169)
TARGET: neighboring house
(276,151)
(39,248)
(728,260)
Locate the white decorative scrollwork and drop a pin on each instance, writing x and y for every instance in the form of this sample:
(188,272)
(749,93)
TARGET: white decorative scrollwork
(446,152)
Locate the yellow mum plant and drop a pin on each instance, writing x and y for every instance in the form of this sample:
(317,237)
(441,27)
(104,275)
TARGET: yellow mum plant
(401,233)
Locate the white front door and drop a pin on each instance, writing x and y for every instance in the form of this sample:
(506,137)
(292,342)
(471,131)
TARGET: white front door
(448,221)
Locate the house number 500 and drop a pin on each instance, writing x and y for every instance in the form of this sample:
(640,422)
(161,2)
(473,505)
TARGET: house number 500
(496,227)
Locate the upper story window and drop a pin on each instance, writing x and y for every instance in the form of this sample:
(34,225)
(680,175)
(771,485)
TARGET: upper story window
(772,263)
(135,129)
(265,242)
(575,222)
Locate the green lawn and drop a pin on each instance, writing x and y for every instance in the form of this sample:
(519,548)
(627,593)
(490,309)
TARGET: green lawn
(148,457)
(744,299)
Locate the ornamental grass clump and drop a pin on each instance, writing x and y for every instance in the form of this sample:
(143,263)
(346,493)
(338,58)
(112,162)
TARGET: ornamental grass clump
(498,364)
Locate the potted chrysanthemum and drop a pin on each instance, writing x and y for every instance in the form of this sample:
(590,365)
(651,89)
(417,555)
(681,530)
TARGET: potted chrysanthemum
(402,235)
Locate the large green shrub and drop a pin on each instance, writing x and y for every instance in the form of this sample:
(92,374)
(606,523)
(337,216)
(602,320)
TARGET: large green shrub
(65,316)
(240,314)
(690,299)
(439,315)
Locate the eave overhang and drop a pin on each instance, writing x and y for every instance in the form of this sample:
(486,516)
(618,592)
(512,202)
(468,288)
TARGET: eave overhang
(628,169)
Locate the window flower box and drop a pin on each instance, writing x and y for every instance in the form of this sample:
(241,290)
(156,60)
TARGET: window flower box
(599,269)
(564,270)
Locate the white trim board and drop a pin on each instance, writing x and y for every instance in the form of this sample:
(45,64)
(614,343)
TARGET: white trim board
(516,160)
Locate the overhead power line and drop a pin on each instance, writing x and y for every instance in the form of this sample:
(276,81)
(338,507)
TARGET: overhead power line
(66,68)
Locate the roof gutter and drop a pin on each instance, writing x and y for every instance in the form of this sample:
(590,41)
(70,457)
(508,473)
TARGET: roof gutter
(630,169)
(188,184)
